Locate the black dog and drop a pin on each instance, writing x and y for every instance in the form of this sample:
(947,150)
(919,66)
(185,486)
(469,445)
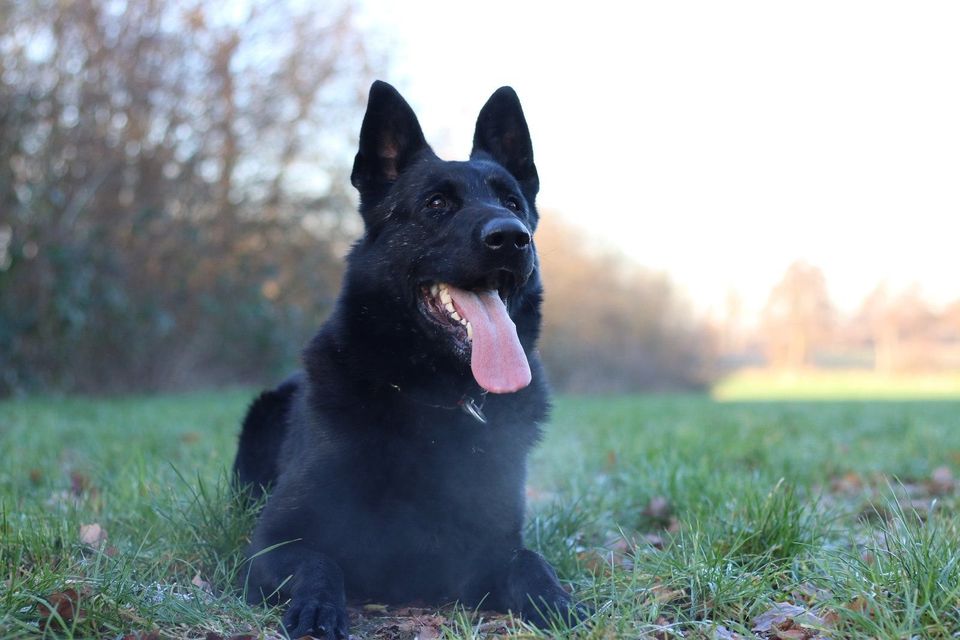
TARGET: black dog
(397,459)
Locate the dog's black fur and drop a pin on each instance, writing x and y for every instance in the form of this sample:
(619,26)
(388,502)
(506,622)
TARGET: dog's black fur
(382,488)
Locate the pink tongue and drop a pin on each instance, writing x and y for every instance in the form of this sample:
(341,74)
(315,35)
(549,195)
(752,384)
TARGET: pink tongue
(498,362)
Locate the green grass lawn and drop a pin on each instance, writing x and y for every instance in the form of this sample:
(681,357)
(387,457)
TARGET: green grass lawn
(671,516)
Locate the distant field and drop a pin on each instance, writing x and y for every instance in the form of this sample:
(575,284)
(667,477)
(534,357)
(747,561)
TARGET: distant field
(758,384)
(670,515)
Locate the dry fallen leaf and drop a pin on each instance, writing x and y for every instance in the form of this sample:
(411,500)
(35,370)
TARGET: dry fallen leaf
(859,604)
(777,615)
(80,483)
(62,603)
(941,481)
(849,483)
(658,508)
(785,621)
(655,540)
(496,626)
(428,632)
(200,583)
(92,534)
(722,633)
(663,594)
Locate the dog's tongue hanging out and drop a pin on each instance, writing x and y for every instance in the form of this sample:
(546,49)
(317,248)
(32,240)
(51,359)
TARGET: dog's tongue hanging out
(498,362)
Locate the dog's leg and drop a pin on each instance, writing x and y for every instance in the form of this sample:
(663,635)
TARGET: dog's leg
(530,587)
(314,585)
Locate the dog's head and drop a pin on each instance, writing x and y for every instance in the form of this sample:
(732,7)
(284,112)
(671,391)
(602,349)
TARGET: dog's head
(452,242)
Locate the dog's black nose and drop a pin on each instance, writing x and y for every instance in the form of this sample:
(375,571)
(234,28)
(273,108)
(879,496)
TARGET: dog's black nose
(507,234)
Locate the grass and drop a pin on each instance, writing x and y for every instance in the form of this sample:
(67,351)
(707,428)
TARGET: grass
(670,516)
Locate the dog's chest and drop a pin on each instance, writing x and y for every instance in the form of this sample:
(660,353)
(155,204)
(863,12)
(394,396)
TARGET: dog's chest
(429,510)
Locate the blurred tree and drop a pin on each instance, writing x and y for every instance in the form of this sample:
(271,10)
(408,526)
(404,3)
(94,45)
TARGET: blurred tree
(172,179)
(902,329)
(797,318)
(612,326)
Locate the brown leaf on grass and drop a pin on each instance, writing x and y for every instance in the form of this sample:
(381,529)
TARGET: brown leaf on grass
(417,625)
(662,630)
(80,484)
(809,594)
(428,632)
(140,635)
(941,481)
(860,605)
(595,562)
(64,604)
(673,526)
(655,540)
(93,534)
(200,583)
(601,562)
(830,618)
(498,626)
(783,616)
(36,475)
(658,508)
(722,633)
(662,594)
(848,483)
(795,633)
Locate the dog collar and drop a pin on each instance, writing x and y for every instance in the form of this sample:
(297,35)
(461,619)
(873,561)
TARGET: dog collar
(466,403)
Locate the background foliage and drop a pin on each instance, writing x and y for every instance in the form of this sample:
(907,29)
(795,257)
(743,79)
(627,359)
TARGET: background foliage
(175,204)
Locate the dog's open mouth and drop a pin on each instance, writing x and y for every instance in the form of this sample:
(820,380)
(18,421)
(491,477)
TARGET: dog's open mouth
(479,325)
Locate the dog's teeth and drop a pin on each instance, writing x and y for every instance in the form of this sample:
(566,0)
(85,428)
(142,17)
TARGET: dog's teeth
(445,296)
(469,331)
(463,321)
(434,289)
(455,316)
(449,306)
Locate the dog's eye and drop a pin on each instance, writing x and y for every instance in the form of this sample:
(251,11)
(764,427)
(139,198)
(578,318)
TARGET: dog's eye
(512,203)
(437,201)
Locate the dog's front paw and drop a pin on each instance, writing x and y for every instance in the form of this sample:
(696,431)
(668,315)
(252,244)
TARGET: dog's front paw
(316,616)
(553,609)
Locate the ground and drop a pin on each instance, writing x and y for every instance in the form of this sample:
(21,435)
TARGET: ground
(670,516)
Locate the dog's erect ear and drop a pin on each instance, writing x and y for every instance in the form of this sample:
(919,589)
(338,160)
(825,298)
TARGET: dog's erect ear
(390,138)
(502,134)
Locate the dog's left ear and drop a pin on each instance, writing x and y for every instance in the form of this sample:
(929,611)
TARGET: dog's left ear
(502,133)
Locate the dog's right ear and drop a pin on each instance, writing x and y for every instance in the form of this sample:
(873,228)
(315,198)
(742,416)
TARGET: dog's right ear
(390,139)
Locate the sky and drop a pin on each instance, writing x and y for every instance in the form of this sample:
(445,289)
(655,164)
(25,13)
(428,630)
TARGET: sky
(716,141)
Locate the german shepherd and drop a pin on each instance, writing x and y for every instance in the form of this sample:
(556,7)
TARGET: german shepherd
(395,462)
